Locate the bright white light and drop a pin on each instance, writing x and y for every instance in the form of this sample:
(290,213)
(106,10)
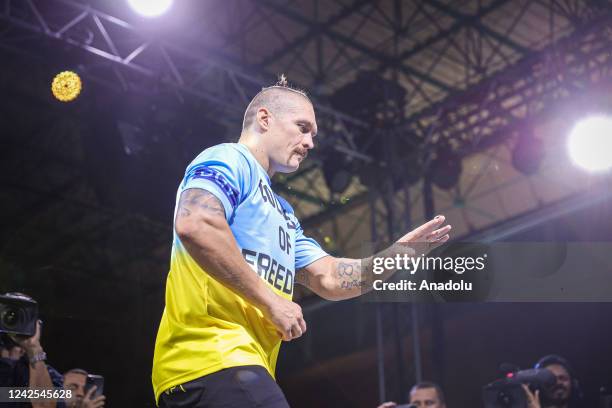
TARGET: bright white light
(150,8)
(590,143)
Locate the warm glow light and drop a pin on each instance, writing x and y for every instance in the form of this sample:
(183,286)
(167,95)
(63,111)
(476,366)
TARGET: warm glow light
(66,86)
(150,8)
(590,143)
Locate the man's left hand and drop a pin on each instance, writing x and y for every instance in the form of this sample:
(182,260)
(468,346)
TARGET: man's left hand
(426,237)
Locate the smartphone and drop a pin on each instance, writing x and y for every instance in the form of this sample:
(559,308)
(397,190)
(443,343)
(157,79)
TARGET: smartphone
(98,381)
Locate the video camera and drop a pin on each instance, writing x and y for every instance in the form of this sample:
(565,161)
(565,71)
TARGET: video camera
(508,392)
(18,315)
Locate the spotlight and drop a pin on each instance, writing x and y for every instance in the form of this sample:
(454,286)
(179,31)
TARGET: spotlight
(590,143)
(150,8)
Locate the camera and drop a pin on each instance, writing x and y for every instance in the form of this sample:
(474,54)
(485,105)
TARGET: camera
(18,315)
(508,392)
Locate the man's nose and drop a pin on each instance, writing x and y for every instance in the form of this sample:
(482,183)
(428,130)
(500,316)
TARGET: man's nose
(308,142)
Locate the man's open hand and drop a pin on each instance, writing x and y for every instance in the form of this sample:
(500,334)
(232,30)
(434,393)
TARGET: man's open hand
(426,237)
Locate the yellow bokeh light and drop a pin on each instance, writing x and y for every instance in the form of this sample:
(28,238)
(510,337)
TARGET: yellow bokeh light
(66,86)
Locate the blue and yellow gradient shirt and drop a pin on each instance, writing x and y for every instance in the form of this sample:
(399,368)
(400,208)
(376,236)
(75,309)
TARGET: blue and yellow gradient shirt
(205,326)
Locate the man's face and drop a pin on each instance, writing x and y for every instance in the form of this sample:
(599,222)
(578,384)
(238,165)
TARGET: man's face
(290,135)
(426,397)
(561,391)
(75,382)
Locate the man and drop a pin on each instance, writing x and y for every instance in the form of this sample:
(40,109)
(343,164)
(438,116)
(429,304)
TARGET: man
(23,363)
(564,394)
(76,380)
(238,249)
(423,395)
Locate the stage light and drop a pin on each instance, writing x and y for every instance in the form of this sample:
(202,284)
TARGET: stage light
(528,154)
(336,172)
(150,8)
(446,169)
(590,143)
(66,86)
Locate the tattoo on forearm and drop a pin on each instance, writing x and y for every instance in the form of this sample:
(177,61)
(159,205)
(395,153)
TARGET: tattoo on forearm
(345,269)
(349,274)
(196,199)
(355,283)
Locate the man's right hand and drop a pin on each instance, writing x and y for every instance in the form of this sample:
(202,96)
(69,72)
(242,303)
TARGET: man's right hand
(287,317)
(88,402)
(31,345)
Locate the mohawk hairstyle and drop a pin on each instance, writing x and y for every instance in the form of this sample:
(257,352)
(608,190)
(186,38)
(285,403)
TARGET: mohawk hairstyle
(282,80)
(271,97)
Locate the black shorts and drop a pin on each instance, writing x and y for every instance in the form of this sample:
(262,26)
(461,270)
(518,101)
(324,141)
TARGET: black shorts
(235,387)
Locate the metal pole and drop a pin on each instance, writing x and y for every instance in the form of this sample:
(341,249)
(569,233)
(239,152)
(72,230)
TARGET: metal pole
(428,201)
(416,343)
(399,350)
(380,353)
(428,204)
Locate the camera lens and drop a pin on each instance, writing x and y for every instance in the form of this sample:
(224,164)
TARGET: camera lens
(9,318)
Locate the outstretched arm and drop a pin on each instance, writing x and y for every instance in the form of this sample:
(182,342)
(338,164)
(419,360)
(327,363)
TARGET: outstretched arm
(343,278)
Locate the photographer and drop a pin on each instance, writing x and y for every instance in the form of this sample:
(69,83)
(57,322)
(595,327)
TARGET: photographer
(24,365)
(423,395)
(76,380)
(564,394)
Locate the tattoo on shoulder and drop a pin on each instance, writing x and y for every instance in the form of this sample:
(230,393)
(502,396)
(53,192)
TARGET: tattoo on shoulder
(195,199)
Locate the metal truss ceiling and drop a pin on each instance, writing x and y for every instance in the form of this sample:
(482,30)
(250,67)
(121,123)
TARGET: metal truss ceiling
(474,70)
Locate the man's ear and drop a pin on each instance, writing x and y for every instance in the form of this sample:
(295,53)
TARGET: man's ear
(263,119)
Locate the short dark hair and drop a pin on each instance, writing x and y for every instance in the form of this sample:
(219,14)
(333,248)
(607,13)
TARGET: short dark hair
(428,384)
(77,371)
(270,97)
